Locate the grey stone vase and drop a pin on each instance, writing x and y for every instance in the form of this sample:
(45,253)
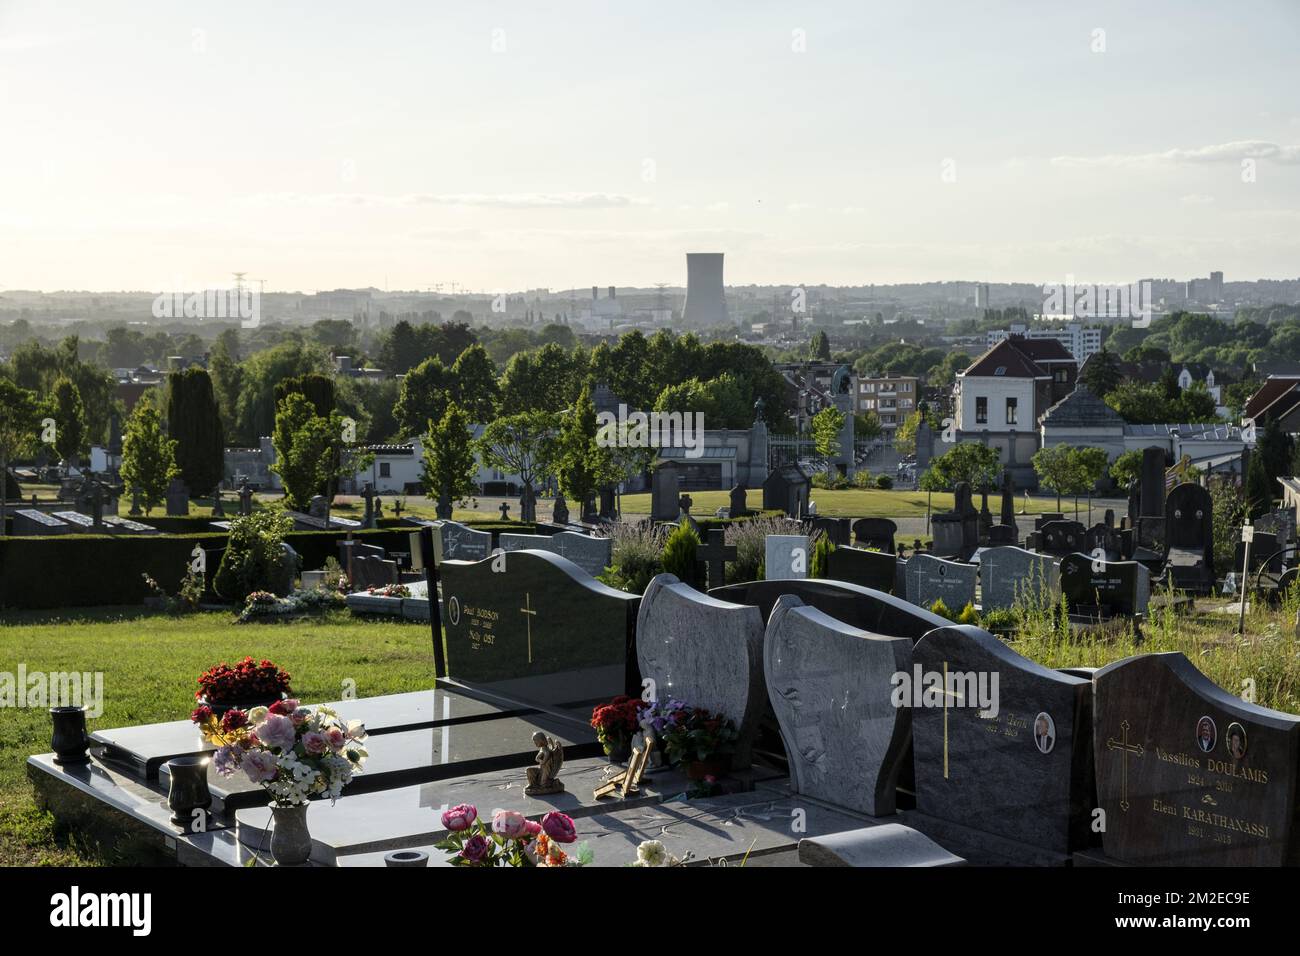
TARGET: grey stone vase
(406,858)
(290,841)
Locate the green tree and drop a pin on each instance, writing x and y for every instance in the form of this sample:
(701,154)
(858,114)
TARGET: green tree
(227,377)
(1126,468)
(1102,373)
(423,397)
(971,462)
(70,418)
(194,421)
(826,427)
(679,556)
(254,559)
(523,445)
(449,463)
(20,429)
(583,465)
(1275,450)
(867,425)
(303,442)
(1259,488)
(148,456)
(474,384)
(819,350)
(256,408)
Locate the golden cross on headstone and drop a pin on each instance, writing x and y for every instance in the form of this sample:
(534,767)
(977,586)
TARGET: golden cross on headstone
(1126,748)
(527,609)
(946,694)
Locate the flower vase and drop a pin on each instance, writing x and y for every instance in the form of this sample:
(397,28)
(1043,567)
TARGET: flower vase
(290,840)
(713,767)
(619,752)
(219,710)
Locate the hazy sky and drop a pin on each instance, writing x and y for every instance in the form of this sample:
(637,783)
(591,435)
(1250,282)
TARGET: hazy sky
(510,145)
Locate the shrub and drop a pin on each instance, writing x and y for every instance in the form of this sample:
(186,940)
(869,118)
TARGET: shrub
(750,541)
(255,559)
(818,564)
(999,619)
(941,609)
(679,554)
(636,556)
(884,482)
(968,615)
(862,478)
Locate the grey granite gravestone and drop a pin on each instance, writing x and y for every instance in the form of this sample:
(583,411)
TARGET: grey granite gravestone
(739,506)
(1190,775)
(178,499)
(538,628)
(786,557)
(838,530)
(877,533)
(664,493)
(851,604)
(31,521)
(1105,588)
(453,541)
(589,552)
(1002,749)
(930,579)
(871,569)
(831,685)
(885,845)
(706,652)
(1010,573)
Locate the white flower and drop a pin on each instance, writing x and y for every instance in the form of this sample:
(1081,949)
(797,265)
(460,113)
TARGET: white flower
(652,853)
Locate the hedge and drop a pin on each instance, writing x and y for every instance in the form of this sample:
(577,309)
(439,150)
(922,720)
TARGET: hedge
(85,570)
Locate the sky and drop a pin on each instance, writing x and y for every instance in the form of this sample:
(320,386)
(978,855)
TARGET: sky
(504,146)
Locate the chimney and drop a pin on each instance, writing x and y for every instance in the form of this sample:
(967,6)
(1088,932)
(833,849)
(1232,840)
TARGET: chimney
(611,292)
(595,293)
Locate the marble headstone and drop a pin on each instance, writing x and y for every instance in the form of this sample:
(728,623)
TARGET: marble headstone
(930,579)
(1190,775)
(1008,573)
(787,556)
(453,541)
(830,685)
(589,552)
(1006,749)
(706,652)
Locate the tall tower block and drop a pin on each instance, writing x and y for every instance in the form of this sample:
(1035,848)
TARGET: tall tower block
(706,303)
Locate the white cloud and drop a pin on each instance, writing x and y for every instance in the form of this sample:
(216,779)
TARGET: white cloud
(1197,199)
(481,200)
(1218,153)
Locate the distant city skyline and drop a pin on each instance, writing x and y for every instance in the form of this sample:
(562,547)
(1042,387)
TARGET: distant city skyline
(511,148)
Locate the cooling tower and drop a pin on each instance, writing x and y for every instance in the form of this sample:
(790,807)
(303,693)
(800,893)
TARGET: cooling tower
(706,304)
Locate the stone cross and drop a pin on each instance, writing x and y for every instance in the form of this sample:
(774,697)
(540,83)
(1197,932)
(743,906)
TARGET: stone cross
(505,511)
(716,554)
(245,498)
(369,495)
(217,510)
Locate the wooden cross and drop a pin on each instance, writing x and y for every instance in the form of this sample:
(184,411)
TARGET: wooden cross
(716,553)
(527,609)
(1126,748)
(946,694)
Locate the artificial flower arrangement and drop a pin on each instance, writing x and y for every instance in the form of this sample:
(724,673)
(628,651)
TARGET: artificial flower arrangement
(390,590)
(692,736)
(264,604)
(511,840)
(652,853)
(293,752)
(249,681)
(616,722)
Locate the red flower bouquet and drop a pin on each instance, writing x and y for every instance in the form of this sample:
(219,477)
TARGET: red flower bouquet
(615,723)
(247,683)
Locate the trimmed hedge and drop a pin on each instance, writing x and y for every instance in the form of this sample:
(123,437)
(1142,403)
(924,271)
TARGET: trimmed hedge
(85,570)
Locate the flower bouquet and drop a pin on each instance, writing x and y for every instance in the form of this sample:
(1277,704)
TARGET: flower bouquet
(696,738)
(390,590)
(512,839)
(615,723)
(245,685)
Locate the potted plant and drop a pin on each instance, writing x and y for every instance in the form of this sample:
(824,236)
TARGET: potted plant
(615,723)
(699,740)
(244,686)
(295,754)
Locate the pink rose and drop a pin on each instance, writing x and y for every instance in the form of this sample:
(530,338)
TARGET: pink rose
(337,738)
(476,848)
(300,715)
(314,742)
(509,824)
(259,766)
(559,827)
(276,731)
(532,827)
(459,818)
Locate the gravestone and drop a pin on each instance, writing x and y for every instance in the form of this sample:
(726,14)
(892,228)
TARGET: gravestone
(705,652)
(245,499)
(830,686)
(956,532)
(1102,538)
(930,579)
(318,507)
(1105,588)
(560,511)
(870,569)
(608,507)
(851,604)
(453,541)
(1189,538)
(664,492)
(1149,522)
(1008,573)
(1002,749)
(370,571)
(786,556)
(787,488)
(878,533)
(538,629)
(591,553)
(739,506)
(28,521)
(1188,774)
(178,499)
(715,554)
(836,529)
(1062,537)
(1001,534)
(1007,517)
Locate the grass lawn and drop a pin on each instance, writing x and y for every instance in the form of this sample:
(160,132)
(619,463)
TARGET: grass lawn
(849,503)
(151,663)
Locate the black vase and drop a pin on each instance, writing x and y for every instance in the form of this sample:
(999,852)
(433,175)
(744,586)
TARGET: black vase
(69,741)
(189,791)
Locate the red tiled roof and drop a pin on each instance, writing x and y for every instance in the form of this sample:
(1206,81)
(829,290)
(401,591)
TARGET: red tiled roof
(1007,355)
(1043,350)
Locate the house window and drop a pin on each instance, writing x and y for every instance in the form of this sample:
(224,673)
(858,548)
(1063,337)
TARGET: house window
(981,411)
(1011,411)
(1061,375)
(385,470)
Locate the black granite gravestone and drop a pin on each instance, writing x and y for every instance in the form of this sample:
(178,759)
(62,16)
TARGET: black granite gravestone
(1105,588)
(837,530)
(859,607)
(877,533)
(1189,538)
(1188,774)
(870,569)
(1062,537)
(1002,750)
